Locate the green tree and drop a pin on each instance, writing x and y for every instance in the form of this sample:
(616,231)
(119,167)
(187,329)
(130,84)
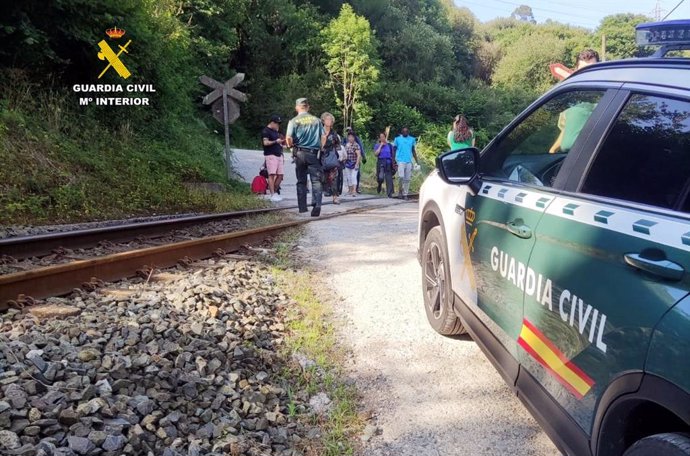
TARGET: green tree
(463,35)
(420,53)
(525,63)
(619,30)
(524,13)
(351,61)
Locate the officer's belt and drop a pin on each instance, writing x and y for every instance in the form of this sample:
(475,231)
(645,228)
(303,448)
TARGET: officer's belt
(308,150)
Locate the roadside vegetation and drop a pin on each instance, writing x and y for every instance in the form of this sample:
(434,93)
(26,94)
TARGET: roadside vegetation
(60,166)
(313,339)
(417,64)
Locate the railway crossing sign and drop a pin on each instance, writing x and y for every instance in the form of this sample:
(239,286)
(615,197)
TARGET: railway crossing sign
(224,101)
(224,92)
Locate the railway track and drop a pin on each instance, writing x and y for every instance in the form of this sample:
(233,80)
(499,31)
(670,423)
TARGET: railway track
(22,247)
(23,288)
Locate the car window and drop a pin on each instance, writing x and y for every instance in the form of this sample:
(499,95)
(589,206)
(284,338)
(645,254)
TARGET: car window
(533,151)
(646,155)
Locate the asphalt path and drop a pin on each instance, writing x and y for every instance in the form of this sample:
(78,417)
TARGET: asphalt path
(248,162)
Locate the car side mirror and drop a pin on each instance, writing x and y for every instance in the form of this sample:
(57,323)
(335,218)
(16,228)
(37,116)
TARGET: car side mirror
(459,167)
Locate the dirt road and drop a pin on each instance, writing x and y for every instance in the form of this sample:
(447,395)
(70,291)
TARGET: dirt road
(432,396)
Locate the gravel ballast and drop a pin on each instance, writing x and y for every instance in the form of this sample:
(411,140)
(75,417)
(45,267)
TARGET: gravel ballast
(9,231)
(188,364)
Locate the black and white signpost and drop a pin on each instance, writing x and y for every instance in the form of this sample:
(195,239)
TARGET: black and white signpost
(224,101)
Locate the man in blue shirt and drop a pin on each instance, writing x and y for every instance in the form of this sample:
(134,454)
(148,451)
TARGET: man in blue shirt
(405,150)
(304,133)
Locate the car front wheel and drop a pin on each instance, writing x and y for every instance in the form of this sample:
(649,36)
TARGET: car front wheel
(669,444)
(438,296)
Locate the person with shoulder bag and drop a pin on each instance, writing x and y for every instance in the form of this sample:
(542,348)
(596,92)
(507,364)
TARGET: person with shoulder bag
(330,157)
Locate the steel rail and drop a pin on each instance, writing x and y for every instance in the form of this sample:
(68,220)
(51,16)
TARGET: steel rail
(43,244)
(63,278)
(22,247)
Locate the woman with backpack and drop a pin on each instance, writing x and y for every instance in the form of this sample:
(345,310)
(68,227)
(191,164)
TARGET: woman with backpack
(330,143)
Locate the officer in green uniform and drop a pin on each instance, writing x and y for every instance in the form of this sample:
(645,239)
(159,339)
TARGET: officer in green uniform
(304,136)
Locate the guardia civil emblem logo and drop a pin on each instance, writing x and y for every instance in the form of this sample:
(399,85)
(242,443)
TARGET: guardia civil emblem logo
(107,53)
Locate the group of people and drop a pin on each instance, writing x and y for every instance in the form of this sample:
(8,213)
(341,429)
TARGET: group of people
(330,162)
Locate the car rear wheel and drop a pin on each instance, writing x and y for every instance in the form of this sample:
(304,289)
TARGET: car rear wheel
(669,444)
(438,296)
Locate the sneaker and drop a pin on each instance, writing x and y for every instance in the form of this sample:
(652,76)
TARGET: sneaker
(276,198)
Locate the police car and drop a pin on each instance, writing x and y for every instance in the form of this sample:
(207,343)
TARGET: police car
(563,249)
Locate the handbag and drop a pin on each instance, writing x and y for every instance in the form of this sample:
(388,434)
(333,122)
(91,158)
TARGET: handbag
(329,159)
(342,153)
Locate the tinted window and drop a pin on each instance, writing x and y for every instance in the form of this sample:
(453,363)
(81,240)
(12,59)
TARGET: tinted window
(532,152)
(646,156)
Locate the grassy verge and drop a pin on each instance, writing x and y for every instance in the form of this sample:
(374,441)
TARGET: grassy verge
(312,334)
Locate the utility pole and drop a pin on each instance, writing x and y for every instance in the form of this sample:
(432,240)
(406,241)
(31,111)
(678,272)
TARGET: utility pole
(658,12)
(603,47)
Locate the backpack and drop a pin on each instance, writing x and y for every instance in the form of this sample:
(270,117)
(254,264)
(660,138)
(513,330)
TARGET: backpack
(259,185)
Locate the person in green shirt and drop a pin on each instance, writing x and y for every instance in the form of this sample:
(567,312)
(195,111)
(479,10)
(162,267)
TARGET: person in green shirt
(461,136)
(570,122)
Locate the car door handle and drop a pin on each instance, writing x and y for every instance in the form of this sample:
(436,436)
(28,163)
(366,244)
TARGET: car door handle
(519,229)
(659,267)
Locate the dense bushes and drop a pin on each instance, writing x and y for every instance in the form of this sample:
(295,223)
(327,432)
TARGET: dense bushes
(65,161)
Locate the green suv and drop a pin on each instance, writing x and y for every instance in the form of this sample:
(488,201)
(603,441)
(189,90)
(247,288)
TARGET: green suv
(563,249)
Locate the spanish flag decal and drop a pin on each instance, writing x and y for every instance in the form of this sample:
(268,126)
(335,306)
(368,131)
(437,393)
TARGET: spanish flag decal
(546,353)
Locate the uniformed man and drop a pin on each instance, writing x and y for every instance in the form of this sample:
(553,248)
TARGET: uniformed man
(304,136)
